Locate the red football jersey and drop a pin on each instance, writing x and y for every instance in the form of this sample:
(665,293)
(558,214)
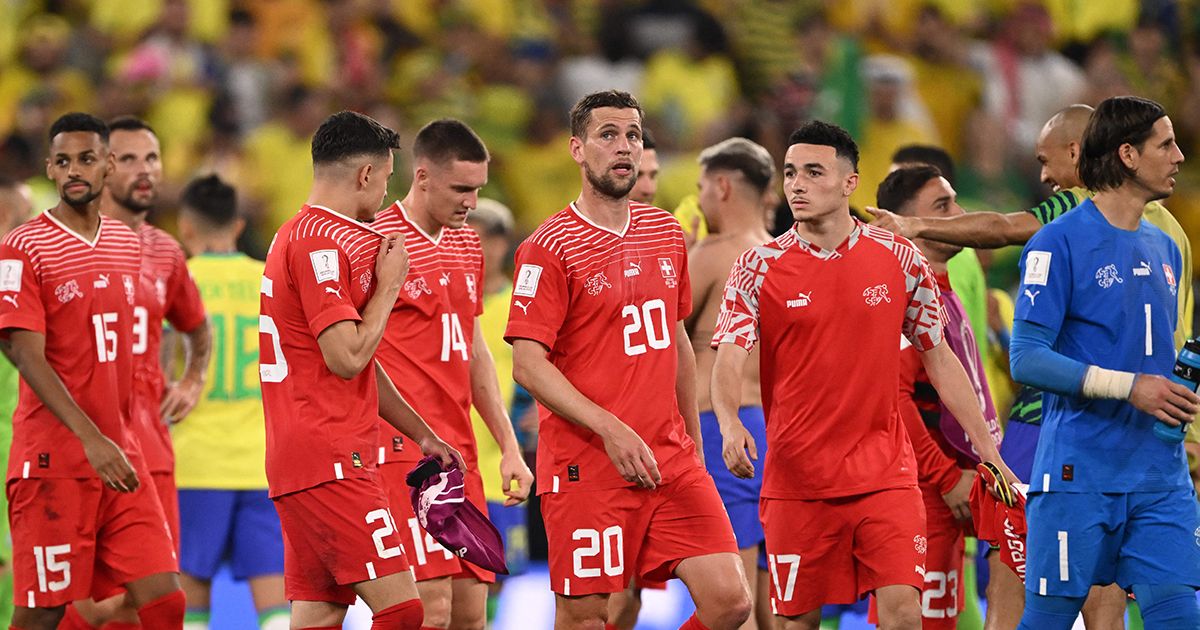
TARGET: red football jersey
(319,271)
(829,324)
(426,349)
(606,304)
(167,292)
(80,294)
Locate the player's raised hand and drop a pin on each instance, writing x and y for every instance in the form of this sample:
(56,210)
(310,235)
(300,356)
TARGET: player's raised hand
(737,449)
(1170,402)
(891,221)
(110,463)
(513,469)
(959,497)
(391,265)
(179,400)
(633,459)
(445,453)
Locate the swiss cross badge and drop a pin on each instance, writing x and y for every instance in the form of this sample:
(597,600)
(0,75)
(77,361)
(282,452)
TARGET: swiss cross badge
(668,272)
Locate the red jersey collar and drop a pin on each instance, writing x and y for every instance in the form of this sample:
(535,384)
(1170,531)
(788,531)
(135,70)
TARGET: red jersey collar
(829,254)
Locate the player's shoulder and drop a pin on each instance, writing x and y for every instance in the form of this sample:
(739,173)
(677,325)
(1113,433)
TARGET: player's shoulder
(320,225)
(653,217)
(1058,204)
(30,233)
(558,230)
(158,242)
(899,246)
(464,237)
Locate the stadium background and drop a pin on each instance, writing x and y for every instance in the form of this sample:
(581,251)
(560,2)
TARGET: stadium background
(237,87)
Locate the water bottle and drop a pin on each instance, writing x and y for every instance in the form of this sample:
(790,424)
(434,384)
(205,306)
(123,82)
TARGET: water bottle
(1186,373)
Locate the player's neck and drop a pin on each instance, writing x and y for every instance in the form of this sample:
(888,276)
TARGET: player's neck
(111,208)
(607,212)
(418,213)
(332,197)
(84,221)
(742,220)
(217,244)
(827,231)
(1122,207)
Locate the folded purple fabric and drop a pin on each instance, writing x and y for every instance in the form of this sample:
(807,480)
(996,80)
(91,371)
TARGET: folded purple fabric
(439,499)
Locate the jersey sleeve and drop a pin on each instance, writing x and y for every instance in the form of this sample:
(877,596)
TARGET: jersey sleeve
(1046,280)
(737,322)
(685,287)
(480,276)
(1054,206)
(20,293)
(924,317)
(318,270)
(185,310)
(539,297)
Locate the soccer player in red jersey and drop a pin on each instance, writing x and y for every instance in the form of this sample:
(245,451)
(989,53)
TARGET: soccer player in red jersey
(599,299)
(434,351)
(945,461)
(330,282)
(85,521)
(829,300)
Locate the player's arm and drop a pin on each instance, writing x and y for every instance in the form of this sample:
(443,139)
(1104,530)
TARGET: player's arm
(726,393)
(685,386)
(485,396)
(348,345)
(182,396)
(26,349)
(950,379)
(533,370)
(397,412)
(984,230)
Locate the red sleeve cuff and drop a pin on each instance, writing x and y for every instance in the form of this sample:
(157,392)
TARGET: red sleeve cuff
(523,330)
(331,316)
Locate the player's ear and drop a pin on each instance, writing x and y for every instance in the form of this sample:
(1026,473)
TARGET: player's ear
(576,146)
(1128,155)
(365,172)
(725,186)
(238,225)
(421,177)
(851,184)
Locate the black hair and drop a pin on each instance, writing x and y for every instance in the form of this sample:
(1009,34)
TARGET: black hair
(449,139)
(78,121)
(648,139)
(212,199)
(1116,121)
(902,185)
(347,135)
(740,156)
(581,113)
(825,134)
(926,154)
(129,123)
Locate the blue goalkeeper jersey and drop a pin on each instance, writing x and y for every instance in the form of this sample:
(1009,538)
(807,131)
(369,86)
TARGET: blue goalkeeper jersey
(1110,295)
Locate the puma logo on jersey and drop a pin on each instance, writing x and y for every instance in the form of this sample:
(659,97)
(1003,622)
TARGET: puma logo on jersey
(801,301)
(1107,276)
(11,299)
(876,295)
(101,282)
(521,305)
(1143,269)
(334,291)
(1031,296)
(634,269)
(445,280)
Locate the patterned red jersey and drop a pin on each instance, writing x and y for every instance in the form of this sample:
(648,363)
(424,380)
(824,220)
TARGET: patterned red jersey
(167,292)
(320,426)
(80,295)
(828,323)
(426,349)
(606,305)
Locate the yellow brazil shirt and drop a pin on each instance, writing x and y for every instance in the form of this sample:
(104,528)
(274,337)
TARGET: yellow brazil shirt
(222,444)
(491,324)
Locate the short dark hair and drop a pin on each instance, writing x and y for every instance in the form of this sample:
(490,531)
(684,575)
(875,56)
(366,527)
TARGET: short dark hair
(902,184)
(348,134)
(648,139)
(449,139)
(926,154)
(212,199)
(825,134)
(740,156)
(129,123)
(581,113)
(1118,120)
(79,121)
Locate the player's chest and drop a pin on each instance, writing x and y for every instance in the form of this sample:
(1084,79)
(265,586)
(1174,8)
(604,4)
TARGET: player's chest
(605,286)
(440,285)
(818,294)
(77,297)
(1125,275)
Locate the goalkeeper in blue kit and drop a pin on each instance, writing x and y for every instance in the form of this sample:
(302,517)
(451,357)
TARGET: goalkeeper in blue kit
(1109,501)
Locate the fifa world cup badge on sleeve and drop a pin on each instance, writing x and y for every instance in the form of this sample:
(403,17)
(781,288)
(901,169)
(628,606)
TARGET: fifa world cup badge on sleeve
(10,275)
(325,265)
(527,280)
(1037,267)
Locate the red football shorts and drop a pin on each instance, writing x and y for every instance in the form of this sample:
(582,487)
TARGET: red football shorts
(336,534)
(429,559)
(834,551)
(77,538)
(600,539)
(168,497)
(944,590)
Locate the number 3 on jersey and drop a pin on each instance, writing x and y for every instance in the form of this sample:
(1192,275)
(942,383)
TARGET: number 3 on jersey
(652,318)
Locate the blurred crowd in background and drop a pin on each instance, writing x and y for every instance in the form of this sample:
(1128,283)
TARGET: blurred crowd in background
(237,87)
